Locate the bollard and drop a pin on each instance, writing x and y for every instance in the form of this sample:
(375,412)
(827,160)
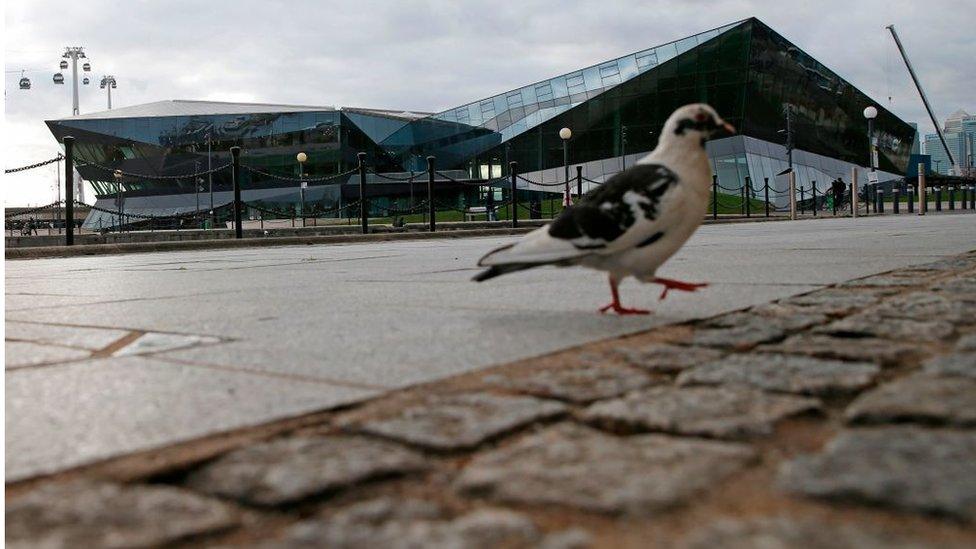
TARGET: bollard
(972,197)
(579,181)
(938,198)
(792,187)
(895,207)
(363,208)
(854,192)
(952,198)
(962,202)
(748,196)
(880,201)
(910,194)
(922,199)
(803,198)
(814,190)
(430,194)
(489,203)
(513,169)
(236,176)
(69,191)
(766,193)
(742,200)
(714,197)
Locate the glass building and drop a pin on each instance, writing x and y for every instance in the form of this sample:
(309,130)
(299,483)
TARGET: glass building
(616,110)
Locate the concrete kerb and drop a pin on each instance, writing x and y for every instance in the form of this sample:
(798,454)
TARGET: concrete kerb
(384,235)
(143,247)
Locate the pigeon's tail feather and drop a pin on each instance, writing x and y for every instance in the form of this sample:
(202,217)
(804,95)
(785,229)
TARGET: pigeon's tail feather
(535,248)
(499,270)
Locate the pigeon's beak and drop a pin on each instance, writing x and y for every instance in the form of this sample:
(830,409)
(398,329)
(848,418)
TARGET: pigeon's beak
(729,128)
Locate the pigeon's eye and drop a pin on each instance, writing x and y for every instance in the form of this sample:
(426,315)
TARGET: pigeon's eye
(701,117)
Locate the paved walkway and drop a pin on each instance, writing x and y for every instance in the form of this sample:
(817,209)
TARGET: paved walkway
(842,417)
(117,354)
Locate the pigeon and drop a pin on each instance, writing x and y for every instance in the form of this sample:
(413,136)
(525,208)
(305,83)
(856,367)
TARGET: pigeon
(631,224)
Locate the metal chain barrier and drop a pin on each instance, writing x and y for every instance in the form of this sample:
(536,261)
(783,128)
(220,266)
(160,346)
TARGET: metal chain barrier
(50,206)
(459,182)
(413,175)
(732,189)
(57,158)
(194,213)
(290,214)
(418,208)
(559,184)
(82,162)
(300,179)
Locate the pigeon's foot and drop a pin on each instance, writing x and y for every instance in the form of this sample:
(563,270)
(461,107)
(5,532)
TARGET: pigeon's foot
(615,305)
(670,284)
(621,310)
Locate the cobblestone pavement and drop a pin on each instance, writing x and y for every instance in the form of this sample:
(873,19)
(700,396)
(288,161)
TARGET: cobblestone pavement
(843,417)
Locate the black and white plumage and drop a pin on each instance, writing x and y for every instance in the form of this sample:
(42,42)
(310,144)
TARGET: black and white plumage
(636,220)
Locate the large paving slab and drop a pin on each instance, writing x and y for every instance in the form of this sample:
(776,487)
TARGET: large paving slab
(67,415)
(311,326)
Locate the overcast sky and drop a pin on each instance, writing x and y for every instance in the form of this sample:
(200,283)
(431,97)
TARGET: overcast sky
(429,55)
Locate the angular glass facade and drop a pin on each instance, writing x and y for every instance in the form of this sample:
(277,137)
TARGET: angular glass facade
(615,109)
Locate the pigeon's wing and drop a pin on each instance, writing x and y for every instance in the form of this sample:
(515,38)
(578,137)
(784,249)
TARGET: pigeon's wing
(623,212)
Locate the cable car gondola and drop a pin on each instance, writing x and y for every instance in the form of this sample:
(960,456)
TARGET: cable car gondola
(58,78)
(85,81)
(24,82)
(86,67)
(64,64)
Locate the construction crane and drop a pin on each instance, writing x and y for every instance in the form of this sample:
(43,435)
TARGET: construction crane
(925,100)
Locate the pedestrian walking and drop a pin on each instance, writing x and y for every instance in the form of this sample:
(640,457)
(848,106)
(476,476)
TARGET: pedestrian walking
(838,187)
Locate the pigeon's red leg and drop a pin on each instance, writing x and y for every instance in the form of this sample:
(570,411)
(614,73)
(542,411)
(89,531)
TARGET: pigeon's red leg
(615,305)
(670,284)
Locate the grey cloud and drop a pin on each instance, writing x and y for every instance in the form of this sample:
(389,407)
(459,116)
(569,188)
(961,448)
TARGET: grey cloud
(436,54)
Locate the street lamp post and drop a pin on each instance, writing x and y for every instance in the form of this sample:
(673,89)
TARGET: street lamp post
(565,134)
(301,157)
(58,183)
(118,195)
(788,111)
(108,82)
(199,189)
(623,147)
(196,191)
(871,113)
(210,176)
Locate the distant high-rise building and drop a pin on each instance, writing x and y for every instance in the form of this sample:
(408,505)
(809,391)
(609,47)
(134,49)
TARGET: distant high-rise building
(960,134)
